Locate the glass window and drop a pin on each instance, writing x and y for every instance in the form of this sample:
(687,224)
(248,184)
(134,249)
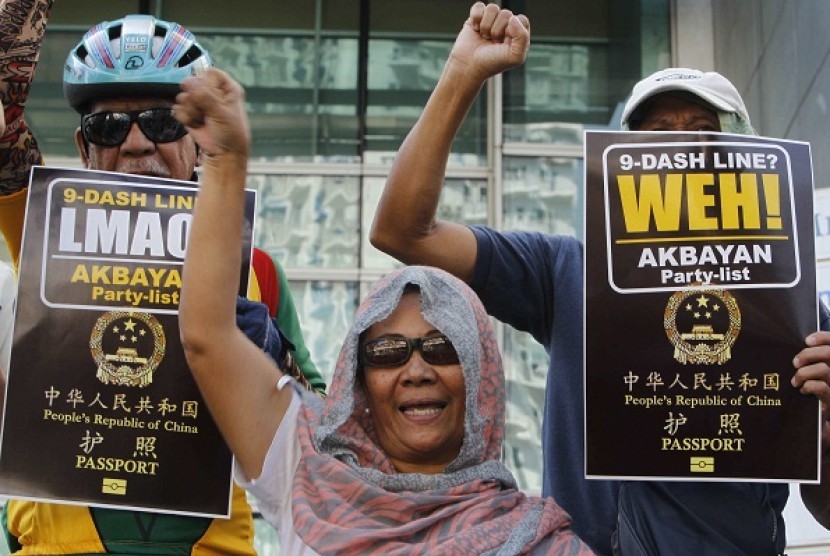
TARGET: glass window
(425,17)
(308,221)
(402,74)
(543,194)
(325,310)
(526,367)
(86,13)
(371,257)
(654,38)
(301,92)
(559,83)
(48,114)
(298,63)
(583,61)
(407,49)
(462,200)
(266,538)
(254,14)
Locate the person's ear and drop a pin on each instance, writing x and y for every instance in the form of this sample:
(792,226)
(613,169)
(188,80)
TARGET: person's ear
(83,147)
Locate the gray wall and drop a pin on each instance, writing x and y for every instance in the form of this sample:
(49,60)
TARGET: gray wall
(776,54)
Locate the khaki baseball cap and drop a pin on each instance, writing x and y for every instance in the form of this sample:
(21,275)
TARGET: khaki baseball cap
(710,86)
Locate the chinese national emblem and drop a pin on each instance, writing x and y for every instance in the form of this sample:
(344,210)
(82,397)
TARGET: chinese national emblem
(127,347)
(702,325)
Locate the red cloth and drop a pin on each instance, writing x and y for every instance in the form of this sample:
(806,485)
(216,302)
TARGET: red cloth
(268,280)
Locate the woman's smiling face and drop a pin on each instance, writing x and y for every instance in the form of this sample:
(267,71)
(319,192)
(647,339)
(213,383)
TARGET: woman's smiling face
(418,408)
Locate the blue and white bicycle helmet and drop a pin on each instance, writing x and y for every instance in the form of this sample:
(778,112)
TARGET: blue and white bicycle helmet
(137,55)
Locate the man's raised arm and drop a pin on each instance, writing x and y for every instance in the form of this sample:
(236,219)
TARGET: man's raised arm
(491,41)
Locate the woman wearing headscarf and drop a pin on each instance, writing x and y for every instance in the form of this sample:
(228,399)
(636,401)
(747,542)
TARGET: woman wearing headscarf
(403,456)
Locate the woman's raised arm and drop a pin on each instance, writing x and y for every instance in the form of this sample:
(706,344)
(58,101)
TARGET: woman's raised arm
(235,377)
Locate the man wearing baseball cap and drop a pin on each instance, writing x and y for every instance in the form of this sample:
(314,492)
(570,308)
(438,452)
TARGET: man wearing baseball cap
(534,282)
(682,99)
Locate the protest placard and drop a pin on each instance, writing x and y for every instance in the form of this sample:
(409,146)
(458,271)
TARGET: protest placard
(101,408)
(700,287)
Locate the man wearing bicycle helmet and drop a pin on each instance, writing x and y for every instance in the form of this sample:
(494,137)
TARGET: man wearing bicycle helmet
(133,79)
(122,78)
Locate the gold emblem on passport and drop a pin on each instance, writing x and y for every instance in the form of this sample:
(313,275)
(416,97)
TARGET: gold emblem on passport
(127,347)
(701,464)
(702,325)
(114,486)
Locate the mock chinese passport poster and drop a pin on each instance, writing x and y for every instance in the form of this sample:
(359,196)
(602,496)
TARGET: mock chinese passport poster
(700,287)
(100,406)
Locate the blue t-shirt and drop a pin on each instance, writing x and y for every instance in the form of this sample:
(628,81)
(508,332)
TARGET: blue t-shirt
(533,282)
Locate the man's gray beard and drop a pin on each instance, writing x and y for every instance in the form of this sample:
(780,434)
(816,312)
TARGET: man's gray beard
(147,167)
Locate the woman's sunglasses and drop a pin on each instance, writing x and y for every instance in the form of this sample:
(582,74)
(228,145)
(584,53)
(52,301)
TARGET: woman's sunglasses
(393,351)
(110,129)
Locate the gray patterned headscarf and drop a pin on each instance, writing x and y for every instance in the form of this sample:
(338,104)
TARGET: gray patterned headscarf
(349,499)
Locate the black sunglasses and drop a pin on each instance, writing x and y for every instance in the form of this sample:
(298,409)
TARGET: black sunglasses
(110,129)
(393,351)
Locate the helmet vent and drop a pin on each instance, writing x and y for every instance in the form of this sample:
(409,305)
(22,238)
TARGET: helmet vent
(192,54)
(83,55)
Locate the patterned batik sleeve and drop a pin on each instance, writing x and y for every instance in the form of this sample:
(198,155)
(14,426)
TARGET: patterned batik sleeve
(22,24)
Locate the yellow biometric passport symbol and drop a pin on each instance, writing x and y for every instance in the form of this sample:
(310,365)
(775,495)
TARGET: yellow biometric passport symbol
(700,464)
(114,486)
